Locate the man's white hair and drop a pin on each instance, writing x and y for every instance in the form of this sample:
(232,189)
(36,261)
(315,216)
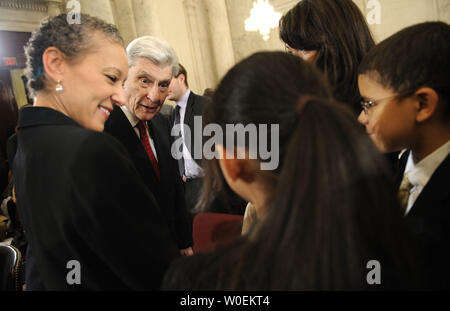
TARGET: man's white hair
(154,49)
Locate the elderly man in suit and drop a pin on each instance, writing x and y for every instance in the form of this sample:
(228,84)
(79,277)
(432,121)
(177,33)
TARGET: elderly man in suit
(146,134)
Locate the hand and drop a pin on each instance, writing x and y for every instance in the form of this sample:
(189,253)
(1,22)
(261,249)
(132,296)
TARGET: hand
(184,178)
(187,251)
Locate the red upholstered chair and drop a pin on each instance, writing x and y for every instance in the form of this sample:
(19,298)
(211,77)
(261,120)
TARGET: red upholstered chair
(212,230)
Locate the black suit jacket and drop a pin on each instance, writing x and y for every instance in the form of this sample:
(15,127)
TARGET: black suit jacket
(194,107)
(81,198)
(11,147)
(4,169)
(168,191)
(429,219)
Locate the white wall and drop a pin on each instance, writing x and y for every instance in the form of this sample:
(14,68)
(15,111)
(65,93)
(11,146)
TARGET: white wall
(186,39)
(398,14)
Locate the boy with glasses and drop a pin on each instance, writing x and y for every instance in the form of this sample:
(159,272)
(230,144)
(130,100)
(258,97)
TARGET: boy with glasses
(404,82)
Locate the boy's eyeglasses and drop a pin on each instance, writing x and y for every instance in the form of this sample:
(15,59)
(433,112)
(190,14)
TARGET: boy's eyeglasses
(290,50)
(367,104)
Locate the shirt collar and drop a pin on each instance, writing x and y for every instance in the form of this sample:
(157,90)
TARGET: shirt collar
(400,154)
(419,174)
(183,101)
(131,117)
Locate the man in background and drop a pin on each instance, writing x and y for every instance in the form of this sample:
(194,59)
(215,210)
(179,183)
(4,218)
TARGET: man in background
(188,106)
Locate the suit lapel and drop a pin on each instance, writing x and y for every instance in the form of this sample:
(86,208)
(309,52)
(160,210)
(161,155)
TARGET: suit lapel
(122,130)
(125,133)
(189,120)
(159,145)
(435,193)
(189,110)
(401,169)
(160,128)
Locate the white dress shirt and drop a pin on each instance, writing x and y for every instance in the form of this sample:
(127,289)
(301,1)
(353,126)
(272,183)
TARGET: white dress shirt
(191,168)
(420,173)
(134,121)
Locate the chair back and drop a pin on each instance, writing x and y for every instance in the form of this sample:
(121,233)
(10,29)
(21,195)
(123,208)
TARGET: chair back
(10,268)
(212,230)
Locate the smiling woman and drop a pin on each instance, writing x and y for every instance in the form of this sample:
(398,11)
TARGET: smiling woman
(73,182)
(87,77)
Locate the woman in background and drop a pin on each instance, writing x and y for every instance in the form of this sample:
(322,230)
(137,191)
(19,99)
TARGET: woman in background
(326,210)
(90,221)
(335,37)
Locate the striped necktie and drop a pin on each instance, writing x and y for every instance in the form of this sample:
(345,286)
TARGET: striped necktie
(148,148)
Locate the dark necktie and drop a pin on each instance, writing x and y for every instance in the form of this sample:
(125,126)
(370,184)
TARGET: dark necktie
(148,149)
(179,136)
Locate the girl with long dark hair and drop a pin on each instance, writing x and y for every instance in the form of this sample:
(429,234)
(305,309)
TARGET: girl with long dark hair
(328,211)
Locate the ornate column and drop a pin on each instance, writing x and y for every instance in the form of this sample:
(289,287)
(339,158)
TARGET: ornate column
(124,17)
(192,26)
(146,23)
(24,16)
(99,8)
(442,10)
(220,36)
(53,7)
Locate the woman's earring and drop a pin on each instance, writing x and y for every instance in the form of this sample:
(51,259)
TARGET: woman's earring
(59,87)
